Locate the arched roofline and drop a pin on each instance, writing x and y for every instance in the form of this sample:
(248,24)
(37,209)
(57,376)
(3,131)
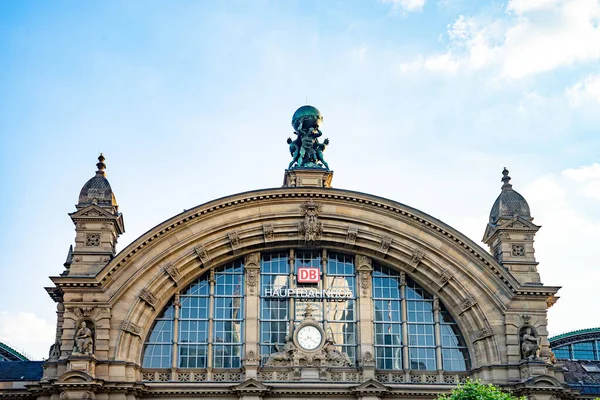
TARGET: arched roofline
(4,348)
(574,336)
(427,222)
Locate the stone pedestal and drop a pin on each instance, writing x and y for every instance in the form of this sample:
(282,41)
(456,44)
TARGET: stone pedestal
(530,369)
(307,177)
(83,363)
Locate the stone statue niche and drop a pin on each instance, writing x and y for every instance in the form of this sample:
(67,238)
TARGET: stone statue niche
(530,343)
(84,338)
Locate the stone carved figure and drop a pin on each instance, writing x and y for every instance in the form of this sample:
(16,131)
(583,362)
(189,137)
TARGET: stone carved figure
(310,228)
(285,355)
(84,341)
(368,359)
(530,343)
(54,353)
(335,357)
(306,150)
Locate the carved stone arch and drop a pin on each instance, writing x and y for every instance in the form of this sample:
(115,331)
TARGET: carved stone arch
(176,252)
(545,381)
(75,377)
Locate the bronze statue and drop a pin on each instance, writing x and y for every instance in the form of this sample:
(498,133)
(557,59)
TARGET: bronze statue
(84,342)
(530,344)
(306,150)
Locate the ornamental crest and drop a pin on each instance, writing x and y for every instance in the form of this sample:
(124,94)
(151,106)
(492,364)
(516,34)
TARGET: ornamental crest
(311,228)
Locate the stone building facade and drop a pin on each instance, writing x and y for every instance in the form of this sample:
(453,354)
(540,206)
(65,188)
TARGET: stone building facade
(300,291)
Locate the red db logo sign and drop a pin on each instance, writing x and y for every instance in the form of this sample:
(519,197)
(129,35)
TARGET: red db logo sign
(308,275)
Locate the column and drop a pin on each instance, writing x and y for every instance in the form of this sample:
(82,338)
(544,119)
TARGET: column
(405,337)
(438,337)
(211,316)
(292,302)
(325,303)
(174,351)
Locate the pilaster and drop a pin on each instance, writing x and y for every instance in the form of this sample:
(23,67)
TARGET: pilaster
(364,270)
(252,300)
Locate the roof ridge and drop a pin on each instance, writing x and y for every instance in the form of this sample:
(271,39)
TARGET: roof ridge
(13,351)
(573,333)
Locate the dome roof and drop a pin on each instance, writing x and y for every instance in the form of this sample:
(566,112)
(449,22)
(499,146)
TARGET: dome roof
(510,203)
(97,190)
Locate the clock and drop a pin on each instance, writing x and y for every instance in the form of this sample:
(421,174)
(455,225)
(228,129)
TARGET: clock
(309,337)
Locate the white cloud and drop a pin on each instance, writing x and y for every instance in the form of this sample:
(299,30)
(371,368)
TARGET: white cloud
(564,35)
(592,190)
(530,37)
(585,173)
(522,6)
(412,65)
(587,90)
(27,333)
(437,63)
(442,63)
(405,5)
(566,244)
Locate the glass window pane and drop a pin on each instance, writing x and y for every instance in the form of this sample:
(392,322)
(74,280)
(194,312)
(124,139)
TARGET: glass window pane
(562,352)
(157,356)
(583,351)
(387,309)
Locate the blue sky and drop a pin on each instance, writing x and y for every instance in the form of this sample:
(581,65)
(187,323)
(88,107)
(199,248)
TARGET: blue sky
(424,102)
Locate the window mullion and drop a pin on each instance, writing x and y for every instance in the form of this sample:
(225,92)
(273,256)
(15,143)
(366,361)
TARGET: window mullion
(174,355)
(211,314)
(438,332)
(325,303)
(292,284)
(405,359)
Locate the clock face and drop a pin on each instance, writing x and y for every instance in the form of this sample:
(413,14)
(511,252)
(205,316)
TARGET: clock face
(309,337)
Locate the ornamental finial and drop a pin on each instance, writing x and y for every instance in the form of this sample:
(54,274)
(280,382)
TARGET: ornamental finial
(101,166)
(505,179)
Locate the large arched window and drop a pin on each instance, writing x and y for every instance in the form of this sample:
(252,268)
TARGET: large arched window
(278,314)
(203,326)
(406,316)
(209,320)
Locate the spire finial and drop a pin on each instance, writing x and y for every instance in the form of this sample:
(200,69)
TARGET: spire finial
(505,179)
(101,166)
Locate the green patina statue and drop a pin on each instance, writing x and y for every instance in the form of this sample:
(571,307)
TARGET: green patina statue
(306,150)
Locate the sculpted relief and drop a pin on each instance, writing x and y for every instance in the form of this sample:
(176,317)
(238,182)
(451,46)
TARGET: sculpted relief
(84,340)
(530,343)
